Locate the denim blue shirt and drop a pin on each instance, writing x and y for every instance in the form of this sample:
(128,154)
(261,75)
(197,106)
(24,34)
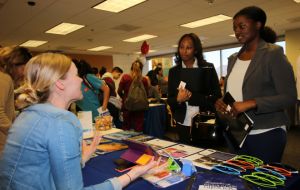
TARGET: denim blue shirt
(43,151)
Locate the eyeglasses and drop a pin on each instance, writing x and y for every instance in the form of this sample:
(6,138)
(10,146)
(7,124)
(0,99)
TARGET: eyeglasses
(265,179)
(284,166)
(259,181)
(240,163)
(268,171)
(226,169)
(250,159)
(279,170)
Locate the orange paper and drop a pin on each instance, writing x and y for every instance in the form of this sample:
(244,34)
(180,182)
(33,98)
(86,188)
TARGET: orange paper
(144,159)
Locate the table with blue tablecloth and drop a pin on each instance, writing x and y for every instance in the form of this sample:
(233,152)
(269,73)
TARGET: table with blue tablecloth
(155,120)
(100,168)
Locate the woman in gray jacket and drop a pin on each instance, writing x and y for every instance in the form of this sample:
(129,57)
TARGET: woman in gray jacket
(262,82)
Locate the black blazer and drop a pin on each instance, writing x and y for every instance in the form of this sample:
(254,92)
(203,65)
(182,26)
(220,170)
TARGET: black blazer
(206,95)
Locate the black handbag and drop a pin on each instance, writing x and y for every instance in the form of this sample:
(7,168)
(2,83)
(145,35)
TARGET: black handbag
(237,127)
(203,127)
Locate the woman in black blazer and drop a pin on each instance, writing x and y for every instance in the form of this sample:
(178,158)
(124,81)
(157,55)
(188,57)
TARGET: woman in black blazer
(193,85)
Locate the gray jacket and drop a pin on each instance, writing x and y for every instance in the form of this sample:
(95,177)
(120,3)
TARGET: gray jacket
(269,80)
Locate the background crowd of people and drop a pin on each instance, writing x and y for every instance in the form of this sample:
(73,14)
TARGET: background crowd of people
(47,138)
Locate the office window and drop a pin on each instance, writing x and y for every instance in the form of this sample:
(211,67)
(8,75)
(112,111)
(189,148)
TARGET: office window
(219,58)
(282,44)
(213,57)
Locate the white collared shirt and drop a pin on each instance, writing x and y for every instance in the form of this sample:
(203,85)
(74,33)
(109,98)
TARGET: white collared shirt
(191,111)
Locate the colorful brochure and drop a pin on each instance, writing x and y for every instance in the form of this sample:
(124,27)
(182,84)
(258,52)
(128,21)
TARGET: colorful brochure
(110,147)
(141,138)
(179,151)
(157,144)
(102,141)
(208,158)
(121,135)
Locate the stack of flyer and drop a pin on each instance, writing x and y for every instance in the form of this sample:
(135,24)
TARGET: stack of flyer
(208,158)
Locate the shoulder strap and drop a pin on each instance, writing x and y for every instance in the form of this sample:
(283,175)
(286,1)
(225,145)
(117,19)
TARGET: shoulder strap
(88,84)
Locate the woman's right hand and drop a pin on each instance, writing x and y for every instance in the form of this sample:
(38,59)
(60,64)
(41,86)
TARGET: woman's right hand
(136,172)
(183,95)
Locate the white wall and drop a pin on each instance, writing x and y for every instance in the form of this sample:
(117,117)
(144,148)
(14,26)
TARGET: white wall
(292,39)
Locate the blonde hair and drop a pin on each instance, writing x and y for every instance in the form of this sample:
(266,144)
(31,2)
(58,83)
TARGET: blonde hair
(136,70)
(41,72)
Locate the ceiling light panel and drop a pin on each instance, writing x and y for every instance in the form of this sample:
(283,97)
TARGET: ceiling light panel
(140,38)
(117,5)
(99,48)
(206,21)
(64,28)
(33,43)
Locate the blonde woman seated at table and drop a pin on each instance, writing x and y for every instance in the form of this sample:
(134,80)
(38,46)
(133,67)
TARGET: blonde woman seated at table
(43,149)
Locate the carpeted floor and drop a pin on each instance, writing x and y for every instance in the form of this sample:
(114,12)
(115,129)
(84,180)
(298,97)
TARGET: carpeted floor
(291,154)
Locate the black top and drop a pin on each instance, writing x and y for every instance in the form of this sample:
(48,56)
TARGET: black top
(203,82)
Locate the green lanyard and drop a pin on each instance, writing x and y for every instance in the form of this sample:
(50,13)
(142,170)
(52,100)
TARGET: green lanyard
(264,179)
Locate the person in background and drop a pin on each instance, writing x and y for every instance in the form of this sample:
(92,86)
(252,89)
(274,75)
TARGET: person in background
(109,78)
(153,93)
(116,73)
(153,74)
(7,108)
(95,71)
(15,59)
(102,71)
(162,83)
(91,87)
(46,138)
(221,82)
(152,77)
(115,103)
(261,80)
(186,102)
(131,119)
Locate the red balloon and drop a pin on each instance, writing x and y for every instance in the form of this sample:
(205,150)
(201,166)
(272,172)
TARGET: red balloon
(145,48)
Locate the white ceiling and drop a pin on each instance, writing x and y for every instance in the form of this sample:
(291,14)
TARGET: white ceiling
(20,22)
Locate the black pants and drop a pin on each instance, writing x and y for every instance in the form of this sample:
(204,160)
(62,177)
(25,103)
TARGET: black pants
(268,146)
(115,113)
(183,133)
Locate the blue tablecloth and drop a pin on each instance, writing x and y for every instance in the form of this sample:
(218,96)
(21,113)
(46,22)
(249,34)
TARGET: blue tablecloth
(155,121)
(102,167)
